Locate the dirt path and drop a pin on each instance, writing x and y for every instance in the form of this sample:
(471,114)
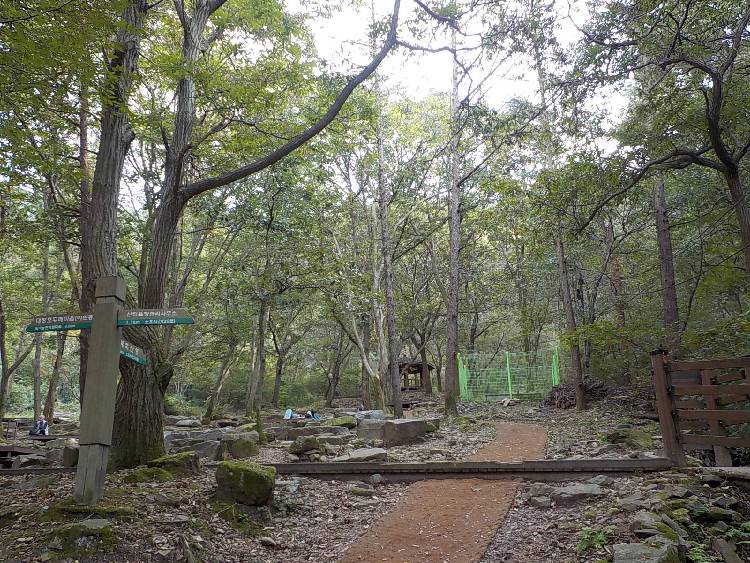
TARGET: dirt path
(450,521)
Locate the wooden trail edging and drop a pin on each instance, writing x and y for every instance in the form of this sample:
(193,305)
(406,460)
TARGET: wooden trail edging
(698,396)
(440,469)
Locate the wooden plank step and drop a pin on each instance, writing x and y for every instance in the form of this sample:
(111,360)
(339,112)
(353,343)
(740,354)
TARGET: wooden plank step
(708,440)
(728,363)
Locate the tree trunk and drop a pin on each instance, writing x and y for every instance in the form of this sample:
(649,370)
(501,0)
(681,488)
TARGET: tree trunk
(390,303)
(99,227)
(54,380)
(426,377)
(366,384)
(741,211)
(137,435)
(221,376)
(575,353)
(666,267)
(454,224)
(618,292)
(36,363)
(277,380)
(252,398)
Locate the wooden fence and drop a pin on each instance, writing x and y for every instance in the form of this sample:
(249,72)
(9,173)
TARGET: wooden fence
(697,401)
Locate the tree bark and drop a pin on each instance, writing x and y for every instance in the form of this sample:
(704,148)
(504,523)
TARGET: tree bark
(618,293)
(280,358)
(221,376)
(670,311)
(99,220)
(454,224)
(426,377)
(742,212)
(570,318)
(252,399)
(54,380)
(138,416)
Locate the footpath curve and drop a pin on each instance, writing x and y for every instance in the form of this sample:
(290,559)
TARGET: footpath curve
(451,521)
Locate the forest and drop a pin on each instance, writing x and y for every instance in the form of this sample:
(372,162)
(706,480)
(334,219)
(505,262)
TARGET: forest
(321,226)
(335,188)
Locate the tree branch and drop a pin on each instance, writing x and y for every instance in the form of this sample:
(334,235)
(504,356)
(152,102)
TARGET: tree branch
(198,187)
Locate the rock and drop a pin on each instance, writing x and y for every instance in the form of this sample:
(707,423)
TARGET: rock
(185,463)
(711,480)
(727,550)
(59,442)
(376,479)
(677,491)
(571,494)
(70,455)
(630,437)
(209,449)
(540,502)
(716,514)
(364,454)
(345,421)
(239,446)
(28,461)
(245,482)
(363,415)
(601,480)
(330,439)
(720,526)
(188,423)
(370,429)
(223,423)
(362,492)
(644,520)
(82,534)
(267,542)
(725,502)
(34,484)
(403,431)
(148,475)
(634,502)
(538,490)
(640,553)
(644,533)
(305,444)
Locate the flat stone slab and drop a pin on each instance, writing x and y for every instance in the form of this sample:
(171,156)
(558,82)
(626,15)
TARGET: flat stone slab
(364,454)
(403,431)
(641,553)
(574,493)
(370,429)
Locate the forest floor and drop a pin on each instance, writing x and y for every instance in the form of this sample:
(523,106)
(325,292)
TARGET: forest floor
(313,520)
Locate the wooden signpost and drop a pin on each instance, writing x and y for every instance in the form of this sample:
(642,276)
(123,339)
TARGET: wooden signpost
(106,345)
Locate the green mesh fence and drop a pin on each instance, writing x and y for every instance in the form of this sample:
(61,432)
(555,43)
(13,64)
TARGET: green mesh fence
(486,376)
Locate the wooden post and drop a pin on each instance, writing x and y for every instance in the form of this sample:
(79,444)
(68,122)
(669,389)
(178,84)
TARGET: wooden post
(721,453)
(672,447)
(98,410)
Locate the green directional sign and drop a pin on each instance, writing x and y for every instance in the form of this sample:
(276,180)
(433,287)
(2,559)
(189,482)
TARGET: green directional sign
(132,352)
(57,323)
(133,317)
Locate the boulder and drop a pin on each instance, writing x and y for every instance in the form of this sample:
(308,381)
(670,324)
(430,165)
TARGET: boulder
(226,423)
(245,482)
(345,421)
(571,494)
(370,429)
(251,436)
(601,480)
(208,449)
(148,475)
(332,440)
(305,444)
(630,437)
(70,455)
(185,463)
(640,553)
(365,454)
(403,431)
(28,461)
(188,423)
(644,520)
(540,502)
(243,447)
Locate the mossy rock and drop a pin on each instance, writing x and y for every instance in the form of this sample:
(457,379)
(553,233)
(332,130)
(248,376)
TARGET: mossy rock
(183,463)
(305,444)
(630,437)
(66,510)
(233,514)
(432,427)
(148,475)
(680,515)
(245,482)
(83,537)
(243,447)
(345,421)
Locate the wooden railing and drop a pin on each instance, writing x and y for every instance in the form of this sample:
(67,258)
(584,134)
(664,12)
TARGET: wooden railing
(692,399)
